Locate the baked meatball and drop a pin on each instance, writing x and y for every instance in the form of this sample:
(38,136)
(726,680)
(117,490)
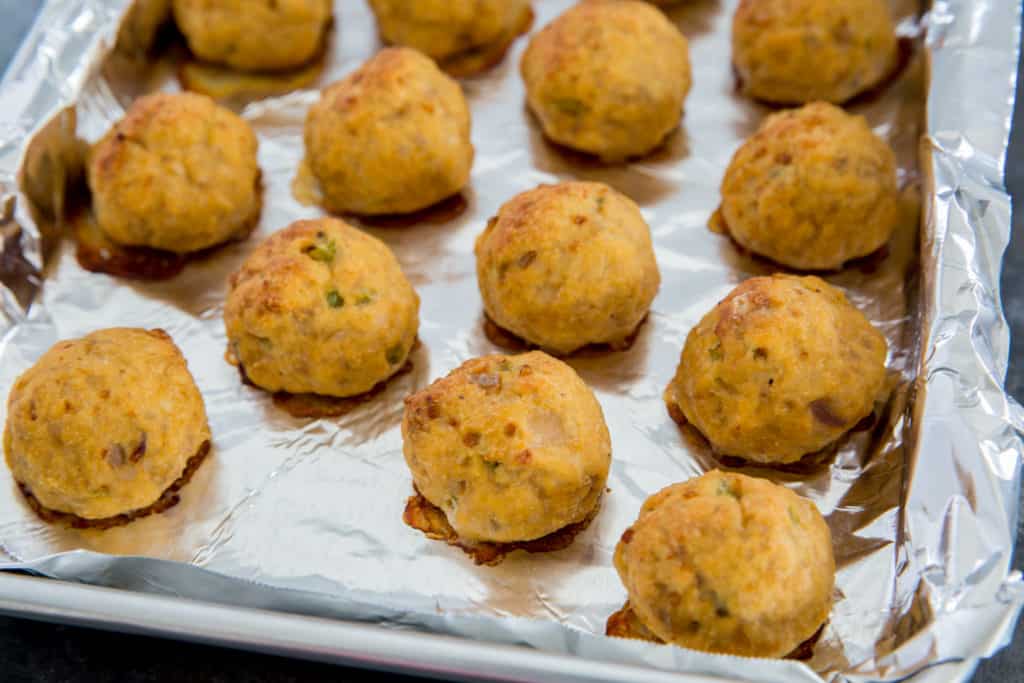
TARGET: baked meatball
(449,29)
(104,425)
(567,265)
(511,448)
(254,35)
(608,77)
(812,189)
(729,563)
(177,173)
(392,137)
(321,308)
(780,368)
(797,51)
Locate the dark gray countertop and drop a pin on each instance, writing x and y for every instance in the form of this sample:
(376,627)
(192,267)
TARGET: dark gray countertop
(32,651)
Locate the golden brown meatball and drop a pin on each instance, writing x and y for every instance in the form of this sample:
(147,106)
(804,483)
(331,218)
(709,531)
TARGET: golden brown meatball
(392,137)
(730,564)
(254,35)
(511,448)
(797,51)
(608,77)
(812,189)
(567,265)
(449,29)
(322,308)
(104,425)
(177,173)
(780,368)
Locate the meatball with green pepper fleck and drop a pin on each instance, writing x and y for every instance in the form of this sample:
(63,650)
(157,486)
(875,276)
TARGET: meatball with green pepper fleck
(728,563)
(780,368)
(321,308)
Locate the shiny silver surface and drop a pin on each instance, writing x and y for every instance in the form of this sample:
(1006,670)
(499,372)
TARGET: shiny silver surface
(304,516)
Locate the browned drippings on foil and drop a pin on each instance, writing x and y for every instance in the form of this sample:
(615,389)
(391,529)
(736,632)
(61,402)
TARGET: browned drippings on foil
(905,48)
(479,60)
(221,83)
(167,500)
(224,82)
(424,516)
(867,264)
(626,624)
(448,209)
(588,162)
(306,190)
(319,405)
(509,341)
(809,462)
(97,253)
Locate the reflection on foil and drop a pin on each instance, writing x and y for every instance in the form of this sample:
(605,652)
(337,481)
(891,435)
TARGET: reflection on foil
(306,515)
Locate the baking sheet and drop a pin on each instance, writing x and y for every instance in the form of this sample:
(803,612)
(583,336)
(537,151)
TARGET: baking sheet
(310,511)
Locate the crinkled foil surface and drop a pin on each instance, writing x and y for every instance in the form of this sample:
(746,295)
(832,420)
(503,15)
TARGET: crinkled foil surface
(305,515)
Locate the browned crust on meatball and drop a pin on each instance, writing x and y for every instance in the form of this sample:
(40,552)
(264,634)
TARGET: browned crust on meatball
(321,405)
(499,336)
(867,264)
(448,209)
(97,253)
(422,515)
(224,82)
(168,499)
(626,624)
(905,48)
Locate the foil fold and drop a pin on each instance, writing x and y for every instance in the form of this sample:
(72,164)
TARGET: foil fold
(305,516)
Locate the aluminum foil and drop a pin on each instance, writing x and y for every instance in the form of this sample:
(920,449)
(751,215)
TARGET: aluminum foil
(305,515)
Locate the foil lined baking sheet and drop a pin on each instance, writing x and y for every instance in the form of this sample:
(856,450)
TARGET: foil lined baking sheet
(305,515)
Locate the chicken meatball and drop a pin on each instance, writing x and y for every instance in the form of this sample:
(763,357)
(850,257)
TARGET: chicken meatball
(812,189)
(567,265)
(797,51)
(510,448)
(321,308)
(104,427)
(254,35)
(608,77)
(451,31)
(780,368)
(392,137)
(730,564)
(177,173)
